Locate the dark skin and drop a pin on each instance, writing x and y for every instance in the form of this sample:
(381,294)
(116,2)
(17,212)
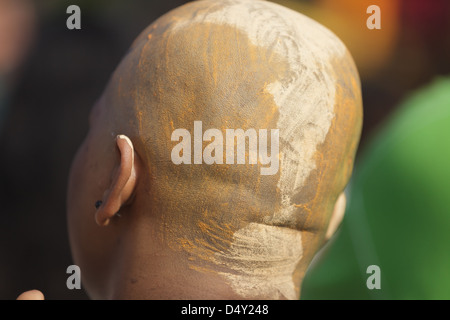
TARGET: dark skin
(132,280)
(161,227)
(170,280)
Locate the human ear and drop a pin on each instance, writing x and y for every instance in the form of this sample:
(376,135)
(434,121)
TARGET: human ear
(123,183)
(337,216)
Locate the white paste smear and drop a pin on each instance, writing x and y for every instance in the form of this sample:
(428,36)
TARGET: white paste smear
(305,97)
(262,262)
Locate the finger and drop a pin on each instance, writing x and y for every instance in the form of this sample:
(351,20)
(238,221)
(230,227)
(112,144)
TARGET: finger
(31,295)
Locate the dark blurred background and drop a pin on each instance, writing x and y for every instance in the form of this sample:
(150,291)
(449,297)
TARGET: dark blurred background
(50,95)
(51,76)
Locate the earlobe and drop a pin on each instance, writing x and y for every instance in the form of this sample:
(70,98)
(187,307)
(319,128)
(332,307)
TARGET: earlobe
(337,216)
(122,186)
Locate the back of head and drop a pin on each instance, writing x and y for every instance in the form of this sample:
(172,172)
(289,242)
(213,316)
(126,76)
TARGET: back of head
(246,116)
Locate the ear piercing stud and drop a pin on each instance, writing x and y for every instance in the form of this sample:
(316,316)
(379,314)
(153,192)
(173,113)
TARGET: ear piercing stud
(98,204)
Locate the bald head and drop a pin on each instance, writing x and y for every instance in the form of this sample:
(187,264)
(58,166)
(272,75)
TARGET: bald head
(228,65)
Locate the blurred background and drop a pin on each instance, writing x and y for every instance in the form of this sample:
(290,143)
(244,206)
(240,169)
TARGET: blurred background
(398,213)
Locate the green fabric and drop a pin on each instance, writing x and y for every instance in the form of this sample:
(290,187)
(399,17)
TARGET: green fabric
(398,214)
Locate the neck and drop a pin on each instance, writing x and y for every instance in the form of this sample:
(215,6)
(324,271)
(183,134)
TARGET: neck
(155,271)
(163,276)
(167,276)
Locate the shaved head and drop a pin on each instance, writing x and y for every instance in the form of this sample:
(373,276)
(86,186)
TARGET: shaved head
(237,64)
